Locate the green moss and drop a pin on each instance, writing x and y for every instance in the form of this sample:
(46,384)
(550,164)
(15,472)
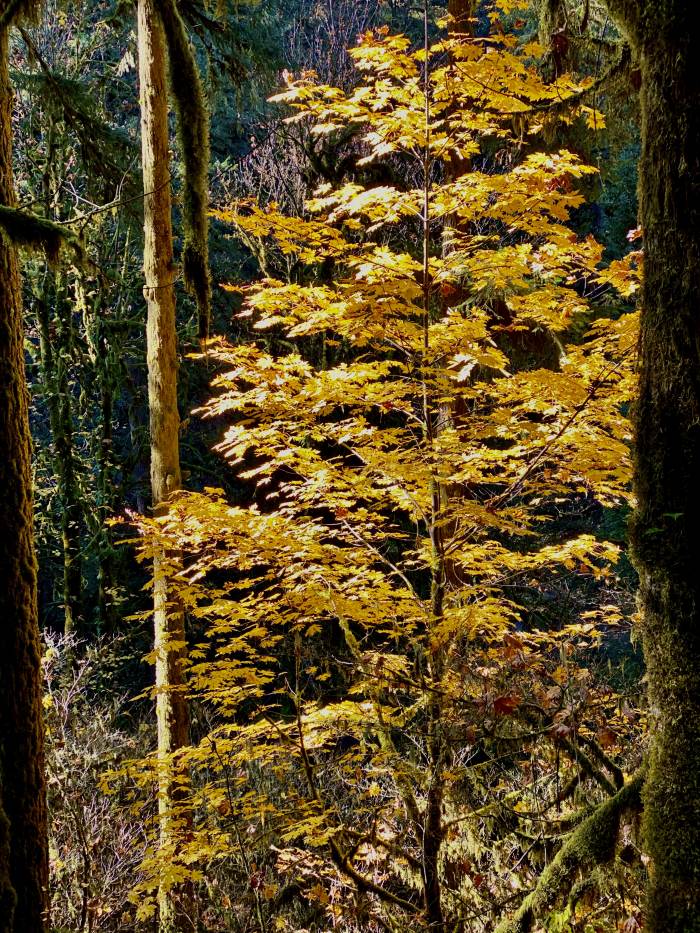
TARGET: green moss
(37,233)
(16,10)
(590,844)
(193,134)
(664,527)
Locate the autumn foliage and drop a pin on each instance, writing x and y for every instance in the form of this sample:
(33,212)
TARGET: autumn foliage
(389,734)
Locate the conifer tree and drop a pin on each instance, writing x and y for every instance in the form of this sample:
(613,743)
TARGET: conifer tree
(22,782)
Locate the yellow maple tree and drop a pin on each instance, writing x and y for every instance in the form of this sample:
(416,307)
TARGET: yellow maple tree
(386,718)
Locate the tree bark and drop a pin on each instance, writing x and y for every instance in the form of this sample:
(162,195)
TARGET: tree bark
(664,532)
(21,719)
(159,273)
(105,576)
(7,893)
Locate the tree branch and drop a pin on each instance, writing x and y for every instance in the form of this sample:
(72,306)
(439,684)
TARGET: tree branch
(34,232)
(578,756)
(193,132)
(15,10)
(591,843)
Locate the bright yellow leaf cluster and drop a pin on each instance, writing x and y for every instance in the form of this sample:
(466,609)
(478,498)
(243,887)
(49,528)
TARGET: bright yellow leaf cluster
(367,621)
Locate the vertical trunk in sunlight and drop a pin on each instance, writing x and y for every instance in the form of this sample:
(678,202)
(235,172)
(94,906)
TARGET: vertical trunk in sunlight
(159,273)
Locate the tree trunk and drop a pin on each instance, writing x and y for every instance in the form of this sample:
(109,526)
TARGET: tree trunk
(21,719)
(55,358)
(553,35)
(105,576)
(461,25)
(7,893)
(57,393)
(666,524)
(461,12)
(159,272)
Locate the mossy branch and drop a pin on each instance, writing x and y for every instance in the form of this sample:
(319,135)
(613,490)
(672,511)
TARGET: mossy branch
(108,151)
(587,766)
(604,759)
(37,233)
(615,70)
(591,843)
(193,133)
(627,13)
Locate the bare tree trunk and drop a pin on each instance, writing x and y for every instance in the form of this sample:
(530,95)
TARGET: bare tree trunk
(159,272)
(21,720)
(665,527)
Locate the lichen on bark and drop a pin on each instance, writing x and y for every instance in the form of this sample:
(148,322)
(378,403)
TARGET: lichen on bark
(193,134)
(664,528)
(161,355)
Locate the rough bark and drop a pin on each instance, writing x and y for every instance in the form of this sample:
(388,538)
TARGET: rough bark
(21,720)
(159,274)
(666,34)
(7,893)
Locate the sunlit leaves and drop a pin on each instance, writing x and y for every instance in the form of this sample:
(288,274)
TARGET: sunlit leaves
(374,604)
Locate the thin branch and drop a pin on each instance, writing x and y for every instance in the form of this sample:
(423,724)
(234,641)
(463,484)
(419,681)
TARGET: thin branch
(340,859)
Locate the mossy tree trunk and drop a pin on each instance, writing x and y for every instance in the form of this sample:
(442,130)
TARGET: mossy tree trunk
(21,719)
(105,576)
(54,367)
(7,893)
(666,525)
(552,28)
(56,339)
(159,273)
(102,317)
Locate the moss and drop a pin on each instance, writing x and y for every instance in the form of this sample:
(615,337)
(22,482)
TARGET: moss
(7,894)
(108,152)
(59,403)
(664,527)
(37,233)
(21,719)
(627,14)
(193,134)
(590,844)
(588,767)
